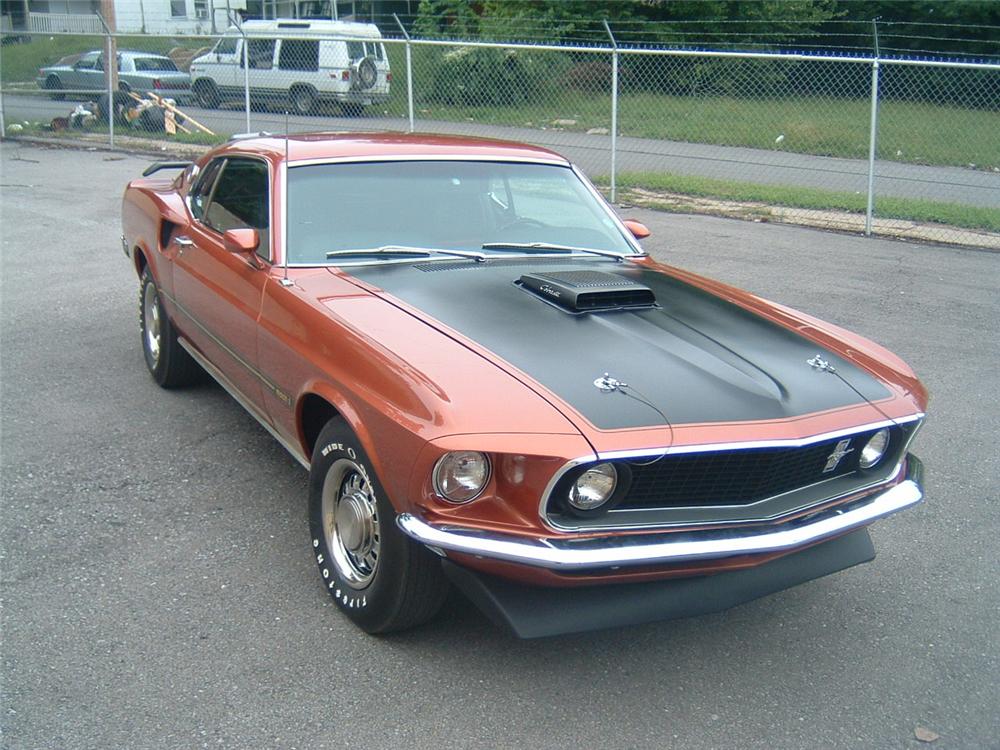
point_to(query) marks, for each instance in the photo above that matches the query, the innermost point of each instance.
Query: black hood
(691, 358)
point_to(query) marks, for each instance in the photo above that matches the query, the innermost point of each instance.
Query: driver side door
(219, 292)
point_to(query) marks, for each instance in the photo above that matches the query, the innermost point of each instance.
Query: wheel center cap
(355, 524)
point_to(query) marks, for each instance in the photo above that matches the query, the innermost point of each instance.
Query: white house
(164, 16)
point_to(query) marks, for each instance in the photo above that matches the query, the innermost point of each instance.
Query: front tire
(167, 361)
(380, 579)
(206, 93)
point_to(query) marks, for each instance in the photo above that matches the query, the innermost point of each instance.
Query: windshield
(450, 205)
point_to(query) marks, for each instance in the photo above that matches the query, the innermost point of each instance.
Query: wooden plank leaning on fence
(165, 125)
(171, 108)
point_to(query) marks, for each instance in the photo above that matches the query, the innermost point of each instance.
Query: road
(159, 592)
(592, 152)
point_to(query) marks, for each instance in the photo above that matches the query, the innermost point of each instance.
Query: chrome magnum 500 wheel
(379, 578)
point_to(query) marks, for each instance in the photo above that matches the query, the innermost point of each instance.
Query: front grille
(738, 477)
(743, 485)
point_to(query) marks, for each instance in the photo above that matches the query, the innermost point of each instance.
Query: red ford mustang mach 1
(492, 385)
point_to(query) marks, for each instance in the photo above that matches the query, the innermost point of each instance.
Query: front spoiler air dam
(606, 552)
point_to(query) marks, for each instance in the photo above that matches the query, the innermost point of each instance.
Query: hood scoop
(581, 292)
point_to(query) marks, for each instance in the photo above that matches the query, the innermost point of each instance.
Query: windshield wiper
(549, 247)
(425, 252)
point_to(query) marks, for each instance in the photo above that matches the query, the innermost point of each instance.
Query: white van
(293, 60)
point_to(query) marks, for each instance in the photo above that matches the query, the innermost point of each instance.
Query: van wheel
(302, 99)
(207, 94)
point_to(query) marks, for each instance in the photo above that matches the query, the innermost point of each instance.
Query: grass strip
(910, 209)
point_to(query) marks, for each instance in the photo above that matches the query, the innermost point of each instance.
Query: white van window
(260, 54)
(355, 50)
(298, 54)
(226, 46)
(377, 50)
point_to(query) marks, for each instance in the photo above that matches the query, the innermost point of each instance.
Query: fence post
(409, 71)
(3, 125)
(614, 112)
(246, 79)
(234, 21)
(872, 138)
(109, 60)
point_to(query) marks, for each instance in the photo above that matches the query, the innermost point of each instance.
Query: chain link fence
(889, 147)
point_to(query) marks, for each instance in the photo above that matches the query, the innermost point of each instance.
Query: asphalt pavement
(158, 589)
(592, 152)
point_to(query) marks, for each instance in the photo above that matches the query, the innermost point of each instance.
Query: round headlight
(461, 476)
(874, 449)
(594, 487)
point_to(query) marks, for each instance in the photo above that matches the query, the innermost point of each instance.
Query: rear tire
(381, 579)
(302, 99)
(54, 84)
(114, 107)
(167, 361)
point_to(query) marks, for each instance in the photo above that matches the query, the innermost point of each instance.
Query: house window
(178, 8)
(201, 9)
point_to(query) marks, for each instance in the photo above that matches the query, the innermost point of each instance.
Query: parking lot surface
(158, 589)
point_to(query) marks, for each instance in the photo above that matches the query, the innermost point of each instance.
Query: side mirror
(241, 241)
(638, 229)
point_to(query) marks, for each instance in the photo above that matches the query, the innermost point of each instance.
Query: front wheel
(380, 579)
(206, 93)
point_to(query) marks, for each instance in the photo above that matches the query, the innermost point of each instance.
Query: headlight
(461, 476)
(594, 487)
(874, 449)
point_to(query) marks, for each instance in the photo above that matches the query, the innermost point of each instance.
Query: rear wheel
(114, 107)
(169, 364)
(380, 579)
(207, 94)
(54, 85)
(302, 99)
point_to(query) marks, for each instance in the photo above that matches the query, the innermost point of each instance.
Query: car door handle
(183, 241)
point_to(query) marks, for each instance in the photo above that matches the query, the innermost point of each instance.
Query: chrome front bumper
(575, 554)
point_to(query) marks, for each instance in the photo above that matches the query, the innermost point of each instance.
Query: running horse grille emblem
(838, 455)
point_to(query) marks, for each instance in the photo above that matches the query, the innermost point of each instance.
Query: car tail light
(388, 77)
(345, 75)
(157, 83)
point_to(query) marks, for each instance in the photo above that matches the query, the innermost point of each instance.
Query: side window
(226, 46)
(240, 200)
(260, 54)
(201, 191)
(355, 50)
(298, 54)
(87, 62)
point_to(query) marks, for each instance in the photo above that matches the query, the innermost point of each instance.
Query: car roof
(126, 53)
(303, 147)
